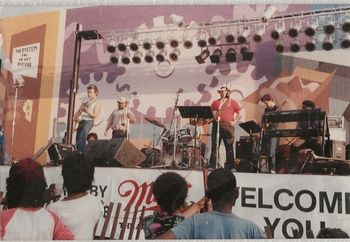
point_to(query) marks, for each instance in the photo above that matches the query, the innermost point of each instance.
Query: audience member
(91, 136)
(220, 223)
(26, 219)
(329, 233)
(80, 210)
(170, 191)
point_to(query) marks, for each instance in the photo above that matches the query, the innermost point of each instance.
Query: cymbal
(155, 122)
(200, 121)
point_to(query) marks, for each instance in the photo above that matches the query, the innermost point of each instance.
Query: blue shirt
(216, 225)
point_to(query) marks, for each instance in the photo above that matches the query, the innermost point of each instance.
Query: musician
(310, 142)
(119, 120)
(88, 111)
(225, 111)
(268, 144)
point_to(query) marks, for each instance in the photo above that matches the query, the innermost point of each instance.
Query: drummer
(119, 120)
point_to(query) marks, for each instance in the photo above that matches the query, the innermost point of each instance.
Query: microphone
(180, 91)
(134, 93)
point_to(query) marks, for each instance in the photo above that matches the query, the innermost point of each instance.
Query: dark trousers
(83, 130)
(226, 134)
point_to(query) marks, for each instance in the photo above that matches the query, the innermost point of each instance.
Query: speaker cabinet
(244, 150)
(57, 152)
(127, 154)
(115, 152)
(335, 149)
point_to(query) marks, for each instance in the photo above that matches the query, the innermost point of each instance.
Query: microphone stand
(174, 121)
(16, 86)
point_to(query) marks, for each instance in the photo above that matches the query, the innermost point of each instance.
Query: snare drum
(184, 136)
(167, 136)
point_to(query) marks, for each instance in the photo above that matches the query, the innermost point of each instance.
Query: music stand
(250, 127)
(197, 112)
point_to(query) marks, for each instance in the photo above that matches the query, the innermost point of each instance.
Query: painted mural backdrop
(156, 83)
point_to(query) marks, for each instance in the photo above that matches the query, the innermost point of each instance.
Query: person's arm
(195, 208)
(109, 124)
(131, 117)
(167, 235)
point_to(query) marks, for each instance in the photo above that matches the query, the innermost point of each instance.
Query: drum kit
(187, 152)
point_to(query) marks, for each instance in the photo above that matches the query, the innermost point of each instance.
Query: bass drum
(184, 136)
(168, 151)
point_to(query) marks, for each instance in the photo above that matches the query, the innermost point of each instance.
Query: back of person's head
(78, 172)
(222, 186)
(92, 136)
(267, 97)
(308, 104)
(170, 190)
(26, 185)
(328, 233)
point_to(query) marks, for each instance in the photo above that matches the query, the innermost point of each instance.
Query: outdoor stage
(282, 201)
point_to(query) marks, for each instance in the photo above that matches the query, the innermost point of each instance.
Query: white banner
(25, 60)
(284, 202)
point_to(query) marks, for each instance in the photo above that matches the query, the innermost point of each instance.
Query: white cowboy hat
(122, 100)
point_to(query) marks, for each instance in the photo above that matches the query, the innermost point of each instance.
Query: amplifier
(335, 149)
(244, 150)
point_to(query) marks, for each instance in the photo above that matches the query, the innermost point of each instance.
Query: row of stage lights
(212, 38)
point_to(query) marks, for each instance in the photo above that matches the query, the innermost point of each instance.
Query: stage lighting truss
(278, 31)
(335, 23)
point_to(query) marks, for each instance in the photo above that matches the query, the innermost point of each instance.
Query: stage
(283, 201)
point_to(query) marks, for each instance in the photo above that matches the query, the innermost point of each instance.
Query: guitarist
(88, 111)
(225, 111)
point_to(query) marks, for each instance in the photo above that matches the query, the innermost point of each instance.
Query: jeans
(82, 132)
(226, 134)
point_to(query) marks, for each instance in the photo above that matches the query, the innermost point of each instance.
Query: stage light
(214, 36)
(345, 40)
(133, 46)
(160, 44)
(329, 27)
(231, 55)
(114, 59)
(173, 42)
(201, 35)
(260, 31)
(311, 29)
(187, 42)
(202, 56)
(137, 57)
(243, 36)
(177, 20)
(310, 44)
(279, 46)
(147, 44)
(174, 55)
(111, 45)
(278, 31)
(295, 45)
(328, 42)
(160, 57)
(230, 36)
(149, 56)
(215, 57)
(269, 12)
(246, 54)
(122, 46)
(293, 31)
(126, 57)
(346, 24)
